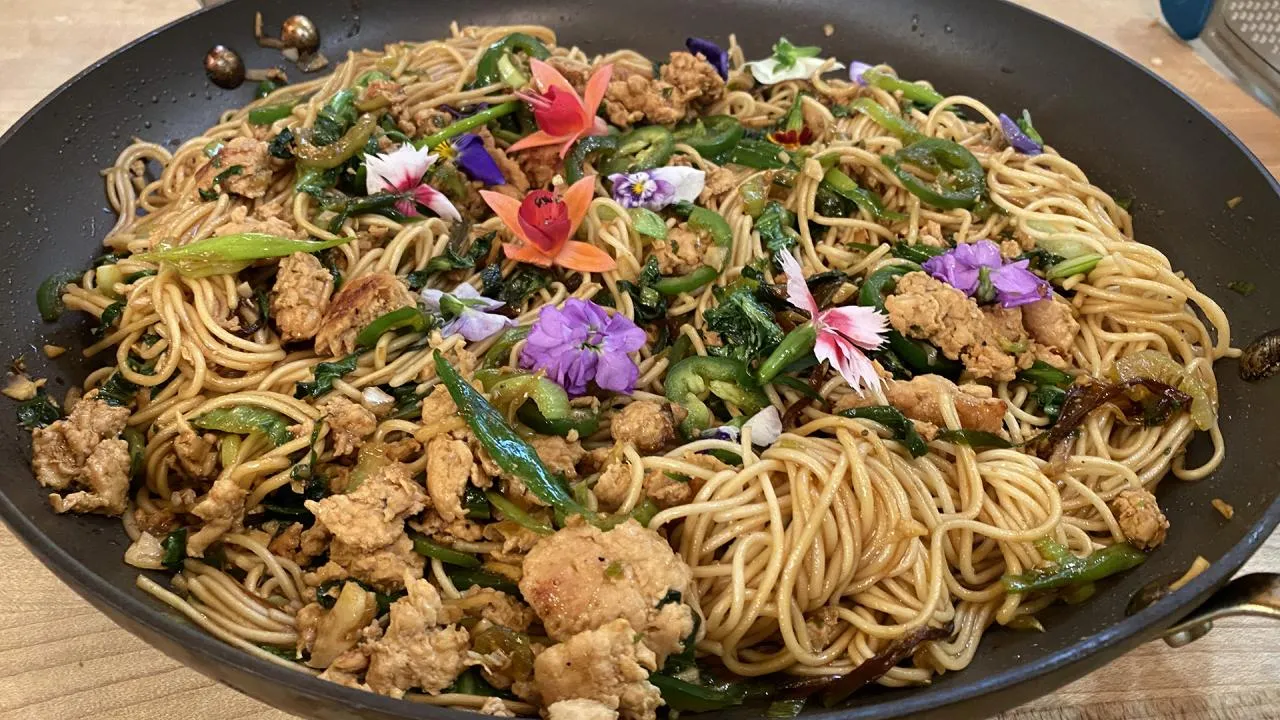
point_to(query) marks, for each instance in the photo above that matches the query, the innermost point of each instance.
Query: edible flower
(581, 343)
(542, 224)
(978, 270)
(788, 62)
(1021, 134)
(401, 171)
(657, 188)
(712, 52)
(468, 152)
(793, 132)
(466, 312)
(765, 426)
(843, 333)
(856, 69)
(562, 115)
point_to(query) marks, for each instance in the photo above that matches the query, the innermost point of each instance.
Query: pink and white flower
(843, 332)
(401, 172)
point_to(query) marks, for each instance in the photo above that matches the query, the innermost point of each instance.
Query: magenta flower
(401, 171)
(977, 269)
(843, 332)
(582, 342)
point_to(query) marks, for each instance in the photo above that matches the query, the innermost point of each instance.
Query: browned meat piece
(581, 578)
(159, 521)
(383, 568)
(695, 80)
(372, 515)
(388, 92)
(719, 183)
(577, 73)
(253, 178)
(360, 302)
(222, 509)
(1140, 518)
(539, 165)
(300, 545)
(82, 451)
(687, 83)
(350, 423)
(928, 309)
(682, 251)
(921, 399)
(417, 650)
(647, 425)
(448, 469)
(613, 486)
(420, 121)
(195, 453)
(605, 665)
(300, 296)
(1052, 324)
(438, 405)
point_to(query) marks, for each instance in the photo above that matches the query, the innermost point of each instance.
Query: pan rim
(140, 610)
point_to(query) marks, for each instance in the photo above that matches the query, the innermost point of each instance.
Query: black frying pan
(1134, 135)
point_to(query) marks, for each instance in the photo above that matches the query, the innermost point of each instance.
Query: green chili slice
(489, 70)
(245, 419)
(895, 124)
(592, 147)
(268, 114)
(510, 451)
(426, 548)
(915, 92)
(1072, 570)
(641, 149)
(798, 343)
(324, 157)
(710, 136)
(227, 254)
(690, 381)
(406, 317)
(960, 180)
(841, 184)
(49, 294)
(689, 282)
(517, 515)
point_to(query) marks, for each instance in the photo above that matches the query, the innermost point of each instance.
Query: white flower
(401, 171)
(769, 71)
(469, 312)
(765, 426)
(657, 188)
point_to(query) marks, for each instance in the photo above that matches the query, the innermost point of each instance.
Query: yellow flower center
(637, 187)
(445, 150)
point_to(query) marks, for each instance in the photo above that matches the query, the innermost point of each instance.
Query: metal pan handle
(1254, 594)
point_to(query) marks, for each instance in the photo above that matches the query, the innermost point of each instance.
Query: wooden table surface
(61, 659)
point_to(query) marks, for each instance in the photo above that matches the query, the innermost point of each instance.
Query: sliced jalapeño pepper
(592, 147)
(710, 136)
(641, 149)
(960, 180)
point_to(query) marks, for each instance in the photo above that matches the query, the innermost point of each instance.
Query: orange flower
(562, 115)
(543, 223)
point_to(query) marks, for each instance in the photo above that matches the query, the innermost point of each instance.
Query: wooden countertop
(61, 659)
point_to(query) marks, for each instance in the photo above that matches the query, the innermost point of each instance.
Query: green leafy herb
(426, 548)
(1024, 124)
(786, 54)
(1243, 287)
(648, 222)
(38, 412)
(335, 118)
(110, 317)
(323, 376)
(650, 305)
(174, 546)
(976, 439)
(1050, 390)
(459, 254)
(776, 226)
(281, 146)
(515, 288)
(904, 430)
(745, 325)
(117, 391)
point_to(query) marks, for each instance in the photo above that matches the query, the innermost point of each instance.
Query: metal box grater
(1245, 36)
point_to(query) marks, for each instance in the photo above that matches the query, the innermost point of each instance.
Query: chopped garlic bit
(53, 351)
(828, 29)
(145, 553)
(1223, 507)
(1233, 202)
(20, 387)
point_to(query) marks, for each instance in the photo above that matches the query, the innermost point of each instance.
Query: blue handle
(1187, 17)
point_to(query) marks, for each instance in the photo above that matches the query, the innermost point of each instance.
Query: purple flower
(468, 152)
(1019, 140)
(977, 268)
(718, 58)
(465, 111)
(657, 188)
(581, 343)
(466, 312)
(856, 68)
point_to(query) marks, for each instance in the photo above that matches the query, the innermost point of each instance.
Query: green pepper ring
(710, 136)
(641, 149)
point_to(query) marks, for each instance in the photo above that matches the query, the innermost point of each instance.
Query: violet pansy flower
(657, 188)
(581, 343)
(401, 171)
(856, 69)
(714, 54)
(466, 312)
(1022, 136)
(977, 269)
(468, 152)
